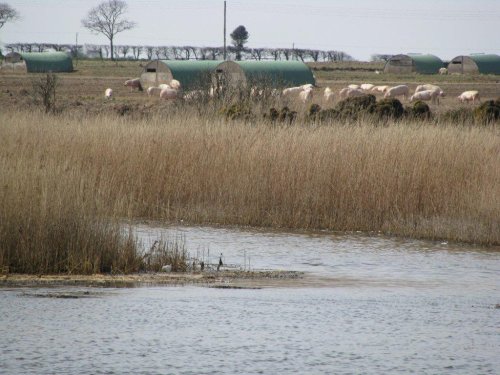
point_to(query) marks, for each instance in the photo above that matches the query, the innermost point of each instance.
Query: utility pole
(76, 49)
(225, 30)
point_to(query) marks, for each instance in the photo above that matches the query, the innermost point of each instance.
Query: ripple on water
(384, 306)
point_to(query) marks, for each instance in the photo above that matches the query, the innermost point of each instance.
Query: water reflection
(372, 260)
(385, 306)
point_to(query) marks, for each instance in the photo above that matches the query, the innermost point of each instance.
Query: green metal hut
(190, 73)
(475, 64)
(272, 73)
(38, 62)
(413, 63)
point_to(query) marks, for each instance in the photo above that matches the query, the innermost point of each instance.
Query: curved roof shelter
(413, 63)
(272, 73)
(39, 62)
(190, 73)
(475, 64)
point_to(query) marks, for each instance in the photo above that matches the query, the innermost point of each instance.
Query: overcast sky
(446, 28)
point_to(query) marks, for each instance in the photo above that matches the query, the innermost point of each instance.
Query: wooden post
(225, 31)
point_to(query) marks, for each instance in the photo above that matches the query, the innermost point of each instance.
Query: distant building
(193, 74)
(38, 62)
(188, 72)
(269, 73)
(413, 63)
(475, 64)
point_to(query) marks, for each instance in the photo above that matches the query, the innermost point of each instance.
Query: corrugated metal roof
(487, 64)
(281, 72)
(190, 72)
(426, 64)
(41, 62)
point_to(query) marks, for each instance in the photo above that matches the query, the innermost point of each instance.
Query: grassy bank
(82, 174)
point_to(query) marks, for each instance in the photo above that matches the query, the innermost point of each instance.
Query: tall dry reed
(49, 223)
(420, 181)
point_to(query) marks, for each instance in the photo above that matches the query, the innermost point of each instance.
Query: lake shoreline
(226, 279)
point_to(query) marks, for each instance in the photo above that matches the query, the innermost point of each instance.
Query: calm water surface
(369, 305)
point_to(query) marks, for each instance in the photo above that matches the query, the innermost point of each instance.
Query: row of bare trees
(108, 18)
(131, 52)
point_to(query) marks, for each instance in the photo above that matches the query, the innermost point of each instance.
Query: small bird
(220, 262)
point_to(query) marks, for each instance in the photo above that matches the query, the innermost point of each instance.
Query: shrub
(273, 114)
(286, 115)
(315, 113)
(388, 109)
(488, 112)
(123, 109)
(461, 116)
(420, 110)
(328, 114)
(313, 110)
(44, 89)
(237, 111)
(353, 107)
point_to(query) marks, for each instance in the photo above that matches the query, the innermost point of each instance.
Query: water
(369, 305)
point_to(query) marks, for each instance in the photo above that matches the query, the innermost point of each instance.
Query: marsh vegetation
(70, 180)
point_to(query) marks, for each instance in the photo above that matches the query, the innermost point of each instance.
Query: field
(69, 180)
(85, 87)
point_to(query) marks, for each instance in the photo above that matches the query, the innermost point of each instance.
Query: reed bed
(66, 182)
(50, 224)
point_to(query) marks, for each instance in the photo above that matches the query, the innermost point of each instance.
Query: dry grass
(107, 68)
(53, 218)
(50, 222)
(419, 181)
(67, 181)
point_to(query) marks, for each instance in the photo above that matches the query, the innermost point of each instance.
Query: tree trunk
(111, 45)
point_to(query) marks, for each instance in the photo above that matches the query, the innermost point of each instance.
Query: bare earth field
(83, 90)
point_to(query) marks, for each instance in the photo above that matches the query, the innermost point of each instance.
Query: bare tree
(380, 57)
(187, 52)
(164, 52)
(44, 89)
(275, 53)
(26, 47)
(7, 13)
(314, 54)
(107, 19)
(215, 52)
(93, 51)
(149, 52)
(287, 52)
(124, 49)
(299, 53)
(107, 50)
(75, 50)
(176, 52)
(39, 47)
(206, 53)
(136, 51)
(257, 53)
(158, 51)
(57, 47)
(116, 52)
(196, 52)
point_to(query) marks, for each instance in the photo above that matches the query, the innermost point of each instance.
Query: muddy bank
(226, 279)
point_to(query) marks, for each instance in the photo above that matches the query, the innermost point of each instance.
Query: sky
(361, 28)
